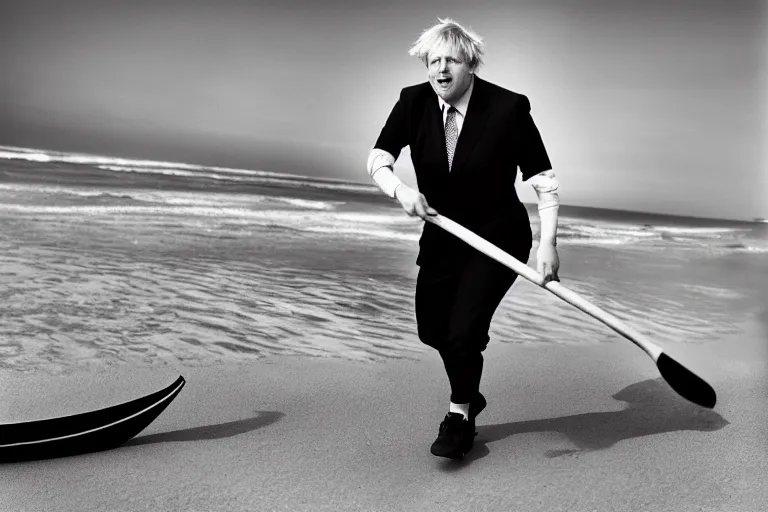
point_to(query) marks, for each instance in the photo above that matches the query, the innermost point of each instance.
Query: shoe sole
(458, 454)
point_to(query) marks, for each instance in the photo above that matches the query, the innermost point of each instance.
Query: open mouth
(444, 81)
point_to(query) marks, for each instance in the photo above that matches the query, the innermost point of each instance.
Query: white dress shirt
(460, 106)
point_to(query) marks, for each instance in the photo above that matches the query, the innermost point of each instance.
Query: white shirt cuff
(380, 165)
(546, 186)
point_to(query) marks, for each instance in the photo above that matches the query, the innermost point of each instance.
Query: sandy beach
(575, 428)
(287, 304)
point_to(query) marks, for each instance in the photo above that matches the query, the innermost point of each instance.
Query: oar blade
(687, 384)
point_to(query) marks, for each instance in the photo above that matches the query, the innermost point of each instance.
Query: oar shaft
(608, 319)
(556, 288)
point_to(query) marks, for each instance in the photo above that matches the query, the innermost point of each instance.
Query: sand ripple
(64, 309)
(67, 309)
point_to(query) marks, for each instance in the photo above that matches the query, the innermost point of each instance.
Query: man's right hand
(413, 202)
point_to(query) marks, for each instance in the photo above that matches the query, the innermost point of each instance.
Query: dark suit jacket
(497, 137)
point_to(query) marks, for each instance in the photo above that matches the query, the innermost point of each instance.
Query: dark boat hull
(83, 433)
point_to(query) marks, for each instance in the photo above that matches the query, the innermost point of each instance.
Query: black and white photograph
(285, 255)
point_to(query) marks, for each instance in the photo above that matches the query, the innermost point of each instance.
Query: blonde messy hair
(469, 44)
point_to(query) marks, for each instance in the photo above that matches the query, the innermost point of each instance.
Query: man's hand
(547, 261)
(413, 202)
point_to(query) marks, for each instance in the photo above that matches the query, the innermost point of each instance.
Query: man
(467, 139)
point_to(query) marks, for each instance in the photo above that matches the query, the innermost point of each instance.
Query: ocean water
(106, 260)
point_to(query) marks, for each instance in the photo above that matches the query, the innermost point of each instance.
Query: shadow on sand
(207, 432)
(653, 408)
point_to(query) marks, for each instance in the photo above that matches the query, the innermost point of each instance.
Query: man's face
(449, 74)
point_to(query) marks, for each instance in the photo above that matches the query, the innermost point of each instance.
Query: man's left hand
(547, 262)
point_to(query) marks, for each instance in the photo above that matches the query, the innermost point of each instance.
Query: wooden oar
(682, 380)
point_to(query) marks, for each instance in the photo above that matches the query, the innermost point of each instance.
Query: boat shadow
(210, 432)
(653, 408)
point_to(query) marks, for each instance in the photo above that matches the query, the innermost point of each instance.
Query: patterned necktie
(451, 135)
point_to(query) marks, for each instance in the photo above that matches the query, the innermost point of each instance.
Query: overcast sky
(654, 105)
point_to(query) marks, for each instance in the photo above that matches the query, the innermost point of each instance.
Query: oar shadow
(209, 432)
(653, 408)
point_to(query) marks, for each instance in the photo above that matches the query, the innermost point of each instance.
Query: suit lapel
(474, 123)
(436, 133)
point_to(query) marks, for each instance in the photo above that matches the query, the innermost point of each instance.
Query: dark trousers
(455, 303)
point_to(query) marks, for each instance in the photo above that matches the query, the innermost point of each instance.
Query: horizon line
(754, 220)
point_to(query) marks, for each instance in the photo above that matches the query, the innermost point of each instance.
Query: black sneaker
(456, 436)
(476, 406)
